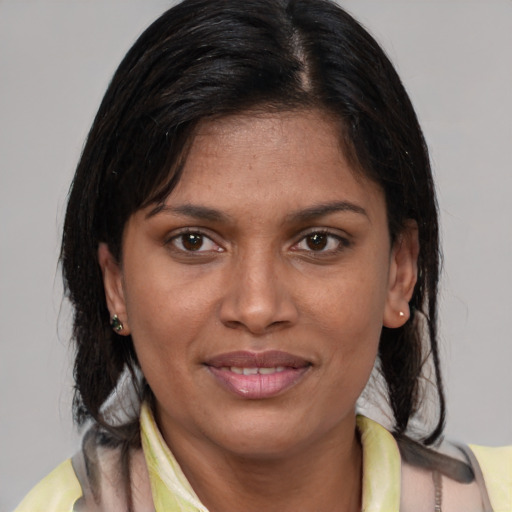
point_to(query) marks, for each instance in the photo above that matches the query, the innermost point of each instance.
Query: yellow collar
(173, 493)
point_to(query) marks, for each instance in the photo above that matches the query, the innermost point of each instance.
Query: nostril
(233, 324)
(257, 330)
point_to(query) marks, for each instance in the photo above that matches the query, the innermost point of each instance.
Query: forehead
(271, 160)
(271, 130)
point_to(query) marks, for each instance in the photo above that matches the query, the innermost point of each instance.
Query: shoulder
(489, 488)
(495, 465)
(93, 480)
(57, 492)
(451, 477)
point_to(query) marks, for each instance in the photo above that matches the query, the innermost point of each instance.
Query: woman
(250, 232)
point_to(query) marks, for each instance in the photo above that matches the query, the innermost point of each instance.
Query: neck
(326, 476)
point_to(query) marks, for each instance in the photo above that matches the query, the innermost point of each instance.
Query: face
(256, 295)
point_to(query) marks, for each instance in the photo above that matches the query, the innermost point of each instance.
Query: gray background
(56, 59)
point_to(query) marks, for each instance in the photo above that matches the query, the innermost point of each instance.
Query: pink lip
(259, 386)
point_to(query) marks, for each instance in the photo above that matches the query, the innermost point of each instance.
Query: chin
(265, 435)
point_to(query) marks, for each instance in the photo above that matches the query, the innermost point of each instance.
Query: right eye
(193, 241)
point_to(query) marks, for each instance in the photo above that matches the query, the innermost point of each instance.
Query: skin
(258, 282)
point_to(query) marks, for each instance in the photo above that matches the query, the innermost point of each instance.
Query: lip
(290, 370)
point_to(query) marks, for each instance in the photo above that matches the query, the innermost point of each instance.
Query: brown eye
(321, 242)
(317, 241)
(192, 241)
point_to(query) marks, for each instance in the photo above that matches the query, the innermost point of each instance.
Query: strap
(479, 477)
(438, 490)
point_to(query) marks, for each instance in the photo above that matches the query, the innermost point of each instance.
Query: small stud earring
(402, 314)
(116, 324)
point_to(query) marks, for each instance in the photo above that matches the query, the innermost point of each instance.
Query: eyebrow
(321, 210)
(210, 214)
(190, 210)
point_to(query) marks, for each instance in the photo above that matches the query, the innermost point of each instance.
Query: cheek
(171, 313)
(165, 296)
(352, 300)
(350, 313)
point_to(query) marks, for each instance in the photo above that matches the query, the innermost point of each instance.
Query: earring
(401, 314)
(116, 324)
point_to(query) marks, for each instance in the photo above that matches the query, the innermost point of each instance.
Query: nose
(258, 297)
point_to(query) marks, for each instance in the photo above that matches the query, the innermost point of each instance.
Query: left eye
(320, 242)
(194, 242)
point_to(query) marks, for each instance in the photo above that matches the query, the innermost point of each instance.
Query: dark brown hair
(211, 58)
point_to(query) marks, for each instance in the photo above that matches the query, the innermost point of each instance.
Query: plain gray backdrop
(56, 58)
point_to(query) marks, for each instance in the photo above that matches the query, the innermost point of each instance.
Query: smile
(254, 371)
(257, 375)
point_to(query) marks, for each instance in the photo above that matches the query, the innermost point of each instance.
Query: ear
(403, 274)
(113, 284)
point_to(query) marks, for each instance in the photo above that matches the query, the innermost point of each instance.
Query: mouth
(257, 375)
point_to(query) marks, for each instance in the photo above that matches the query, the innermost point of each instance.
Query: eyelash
(340, 241)
(322, 236)
(193, 232)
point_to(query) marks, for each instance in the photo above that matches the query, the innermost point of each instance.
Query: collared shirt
(383, 473)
